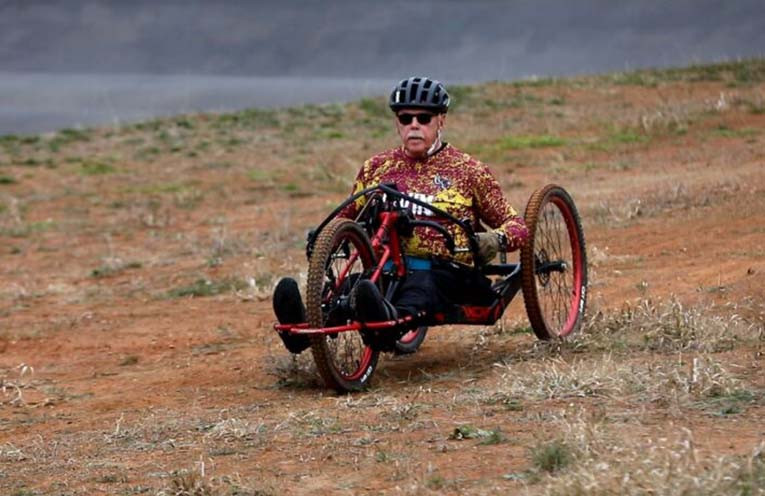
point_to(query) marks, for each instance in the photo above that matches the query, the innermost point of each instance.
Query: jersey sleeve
(494, 209)
(361, 182)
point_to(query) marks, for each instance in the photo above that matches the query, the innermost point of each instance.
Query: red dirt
(129, 385)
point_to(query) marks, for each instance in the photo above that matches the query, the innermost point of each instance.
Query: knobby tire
(554, 264)
(344, 362)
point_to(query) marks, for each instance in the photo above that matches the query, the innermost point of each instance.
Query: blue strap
(415, 263)
(412, 263)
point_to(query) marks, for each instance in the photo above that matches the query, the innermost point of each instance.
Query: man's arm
(494, 209)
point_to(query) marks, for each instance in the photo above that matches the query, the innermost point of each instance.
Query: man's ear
(441, 120)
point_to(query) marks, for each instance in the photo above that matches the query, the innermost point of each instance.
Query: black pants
(437, 290)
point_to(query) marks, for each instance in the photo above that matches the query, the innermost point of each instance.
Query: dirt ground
(117, 381)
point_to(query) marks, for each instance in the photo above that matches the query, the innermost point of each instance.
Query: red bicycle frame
(387, 247)
(386, 244)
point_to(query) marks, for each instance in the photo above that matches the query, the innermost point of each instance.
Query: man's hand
(488, 246)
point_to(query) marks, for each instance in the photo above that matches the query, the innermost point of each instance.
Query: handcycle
(551, 274)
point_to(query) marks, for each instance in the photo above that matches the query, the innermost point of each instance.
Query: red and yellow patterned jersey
(452, 181)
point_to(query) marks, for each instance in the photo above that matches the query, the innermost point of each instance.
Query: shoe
(289, 309)
(369, 305)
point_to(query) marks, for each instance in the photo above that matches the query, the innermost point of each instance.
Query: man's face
(418, 136)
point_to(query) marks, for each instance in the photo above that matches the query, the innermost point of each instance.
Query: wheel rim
(350, 357)
(558, 266)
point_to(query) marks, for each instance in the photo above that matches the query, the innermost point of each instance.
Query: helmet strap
(436, 145)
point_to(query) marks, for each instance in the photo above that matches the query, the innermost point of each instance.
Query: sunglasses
(406, 119)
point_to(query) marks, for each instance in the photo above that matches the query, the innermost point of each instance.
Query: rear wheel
(554, 264)
(342, 255)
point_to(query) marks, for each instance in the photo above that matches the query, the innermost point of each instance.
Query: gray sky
(480, 39)
(79, 62)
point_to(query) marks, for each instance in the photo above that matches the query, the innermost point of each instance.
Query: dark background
(78, 62)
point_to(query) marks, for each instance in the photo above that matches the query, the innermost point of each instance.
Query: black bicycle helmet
(420, 92)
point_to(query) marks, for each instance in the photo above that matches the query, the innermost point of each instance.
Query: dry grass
(196, 483)
(678, 383)
(663, 326)
(660, 200)
(604, 462)
(291, 371)
(11, 389)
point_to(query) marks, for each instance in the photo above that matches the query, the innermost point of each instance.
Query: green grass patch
(461, 95)
(530, 141)
(7, 180)
(107, 270)
(486, 436)
(508, 402)
(28, 229)
(536, 82)
(498, 150)
(134, 141)
(552, 456)
(618, 137)
(161, 188)
(67, 136)
(147, 153)
(184, 123)
(728, 403)
(34, 162)
(333, 134)
(756, 108)
(726, 132)
(94, 168)
(627, 136)
(374, 107)
(150, 125)
(263, 179)
(747, 71)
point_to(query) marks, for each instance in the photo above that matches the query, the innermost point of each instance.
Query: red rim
(361, 370)
(362, 367)
(576, 260)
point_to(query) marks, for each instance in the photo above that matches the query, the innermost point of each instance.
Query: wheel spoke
(341, 256)
(553, 264)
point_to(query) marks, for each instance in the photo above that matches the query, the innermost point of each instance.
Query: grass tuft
(552, 456)
(607, 464)
(530, 141)
(664, 326)
(93, 168)
(683, 383)
(113, 266)
(486, 436)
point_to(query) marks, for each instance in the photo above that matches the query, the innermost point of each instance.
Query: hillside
(137, 354)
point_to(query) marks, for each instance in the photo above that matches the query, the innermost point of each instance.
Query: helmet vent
(420, 92)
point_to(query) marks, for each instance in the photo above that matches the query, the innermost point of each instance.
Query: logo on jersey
(441, 182)
(419, 209)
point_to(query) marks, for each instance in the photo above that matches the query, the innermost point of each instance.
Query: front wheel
(554, 264)
(342, 255)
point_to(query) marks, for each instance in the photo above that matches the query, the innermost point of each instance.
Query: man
(435, 172)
